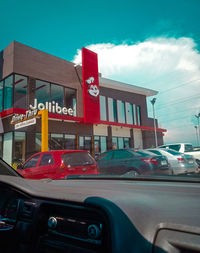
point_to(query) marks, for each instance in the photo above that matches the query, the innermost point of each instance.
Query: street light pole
(196, 127)
(154, 121)
(198, 116)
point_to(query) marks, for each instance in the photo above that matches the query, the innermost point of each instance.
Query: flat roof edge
(109, 83)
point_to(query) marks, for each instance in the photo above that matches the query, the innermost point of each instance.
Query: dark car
(129, 162)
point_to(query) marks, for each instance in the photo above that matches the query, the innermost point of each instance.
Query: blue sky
(154, 44)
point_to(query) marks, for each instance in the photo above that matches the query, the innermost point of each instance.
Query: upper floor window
(134, 115)
(8, 92)
(121, 111)
(70, 99)
(42, 91)
(129, 113)
(20, 91)
(112, 109)
(103, 111)
(139, 115)
(57, 94)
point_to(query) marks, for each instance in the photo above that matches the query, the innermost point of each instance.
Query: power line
(148, 82)
(180, 126)
(164, 114)
(183, 84)
(180, 85)
(173, 119)
(163, 106)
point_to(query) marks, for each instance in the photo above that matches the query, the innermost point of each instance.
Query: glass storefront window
(103, 112)
(85, 143)
(96, 144)
(8, 92)
(19, 148)
(121, 111)
(56, 141)
(88, 143)
(70, 142)
(20, 91)
(100, 144)
(126, 143)
(103, 144)
(120, 142)
(70, 99)
(81, 142)
(138, 115)
(7, 147)
(129, 113)
(57, 94)
(1, 96)
(114, 143)
(38, 142)
(42, 92)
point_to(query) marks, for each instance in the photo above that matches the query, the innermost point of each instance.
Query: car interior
(111, 214)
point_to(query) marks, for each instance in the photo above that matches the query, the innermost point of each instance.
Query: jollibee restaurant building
(85, 110)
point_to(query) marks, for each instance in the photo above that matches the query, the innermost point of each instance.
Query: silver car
(179, 163)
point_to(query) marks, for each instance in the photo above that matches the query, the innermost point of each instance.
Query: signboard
(25, 123)
(91, 105)
(51, 107)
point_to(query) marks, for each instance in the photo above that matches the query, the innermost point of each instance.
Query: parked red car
(58, 164)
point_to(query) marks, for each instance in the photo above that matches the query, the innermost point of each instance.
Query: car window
(175, 147)
(172, 152)
(32, 162)
(77, 159)
(121, 154)
(144, 153)
(47, 159)
(164, 146)
(188, 148)
(106, 156)
(155, 152)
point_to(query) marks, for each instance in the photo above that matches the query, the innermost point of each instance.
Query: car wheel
(132, 173)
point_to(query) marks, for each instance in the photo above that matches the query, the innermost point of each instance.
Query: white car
(179, 163)
(183, 148)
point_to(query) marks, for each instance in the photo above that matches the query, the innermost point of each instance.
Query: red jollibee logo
(92, 88)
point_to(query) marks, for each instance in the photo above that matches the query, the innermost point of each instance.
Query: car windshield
(107, 88)
(144, 152)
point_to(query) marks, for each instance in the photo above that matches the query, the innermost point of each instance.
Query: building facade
(30, 79)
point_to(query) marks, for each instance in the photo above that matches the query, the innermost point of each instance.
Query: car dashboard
(90, 215)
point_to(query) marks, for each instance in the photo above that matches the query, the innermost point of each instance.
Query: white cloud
(169, 65)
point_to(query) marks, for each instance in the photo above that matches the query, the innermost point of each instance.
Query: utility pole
(198, 116)
(154, 121)
(196, 127)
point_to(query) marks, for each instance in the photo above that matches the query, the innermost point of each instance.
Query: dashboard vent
(80, 226)
(82, 229)
(27, 209)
